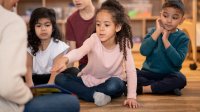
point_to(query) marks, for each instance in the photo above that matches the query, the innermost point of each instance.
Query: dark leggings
(40, 78)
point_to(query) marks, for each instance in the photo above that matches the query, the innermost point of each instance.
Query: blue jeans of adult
(161, 83)
(53, 103)
(113, 87)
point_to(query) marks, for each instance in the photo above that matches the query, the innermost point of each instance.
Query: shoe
(101, 99)
(177, 92)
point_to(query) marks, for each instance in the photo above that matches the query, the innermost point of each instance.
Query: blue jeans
(113, 87)
(53, 103)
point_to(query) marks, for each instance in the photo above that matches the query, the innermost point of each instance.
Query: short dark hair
(178, 4)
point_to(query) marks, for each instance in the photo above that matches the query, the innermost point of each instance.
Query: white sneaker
(101, 99)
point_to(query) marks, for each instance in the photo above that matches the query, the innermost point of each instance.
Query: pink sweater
(104, 63)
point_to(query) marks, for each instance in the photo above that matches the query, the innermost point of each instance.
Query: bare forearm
(28, 79)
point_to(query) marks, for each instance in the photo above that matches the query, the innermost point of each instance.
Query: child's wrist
(158, 31)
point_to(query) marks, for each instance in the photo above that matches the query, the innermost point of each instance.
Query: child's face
(105, 27)
(81, 4)
(43, 29)
(171, 18)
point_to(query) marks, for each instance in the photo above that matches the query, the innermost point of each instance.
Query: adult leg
(53, 103)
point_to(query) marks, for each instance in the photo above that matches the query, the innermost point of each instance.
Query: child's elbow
(178, 62)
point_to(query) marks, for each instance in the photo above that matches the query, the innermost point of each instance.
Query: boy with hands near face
(165, 48)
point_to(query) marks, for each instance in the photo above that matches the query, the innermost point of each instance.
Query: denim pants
(53, 103)
(161, 83)
(113, 87)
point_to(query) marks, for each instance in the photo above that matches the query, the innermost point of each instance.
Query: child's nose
(43, 27)
(169, 20)
(102, 28)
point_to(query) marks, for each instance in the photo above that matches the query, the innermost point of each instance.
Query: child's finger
(125, 102)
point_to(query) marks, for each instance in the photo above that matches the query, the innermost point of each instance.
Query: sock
(101, 99)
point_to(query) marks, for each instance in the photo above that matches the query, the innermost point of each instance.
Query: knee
(47, 103)
(182, 82)
(115, 84)
(59, 78)
(70, 103)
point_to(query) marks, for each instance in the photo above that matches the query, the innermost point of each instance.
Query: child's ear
(182, 20)
(118, 28)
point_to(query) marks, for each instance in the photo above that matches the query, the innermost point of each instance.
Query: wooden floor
(188, 102)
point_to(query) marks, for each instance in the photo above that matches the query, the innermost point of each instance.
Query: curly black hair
(33, 40)
(124, 36)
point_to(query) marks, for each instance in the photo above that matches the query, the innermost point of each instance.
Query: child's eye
(165, 16)
(37, 25)
(97, 24)
(107, 25)
(175, 18)
(47, 25)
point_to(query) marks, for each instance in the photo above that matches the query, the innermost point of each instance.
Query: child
(78, 26)
(15, 96)
(165, 49)
(107, 49)
(44, 46)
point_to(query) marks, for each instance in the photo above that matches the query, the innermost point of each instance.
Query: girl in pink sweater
(109, 59)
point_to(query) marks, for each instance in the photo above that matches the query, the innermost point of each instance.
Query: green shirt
(162, 60)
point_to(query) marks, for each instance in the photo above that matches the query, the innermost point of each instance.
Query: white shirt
(43, 61)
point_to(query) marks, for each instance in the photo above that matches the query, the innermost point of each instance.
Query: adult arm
(13, 63)
(28, 76)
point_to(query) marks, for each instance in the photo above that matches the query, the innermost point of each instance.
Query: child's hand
(60, 65)
(159, 25)
(165, 38)
(131, 103)
(159, 29)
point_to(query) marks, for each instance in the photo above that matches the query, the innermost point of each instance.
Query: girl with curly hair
(109, 57)
(44, 46)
